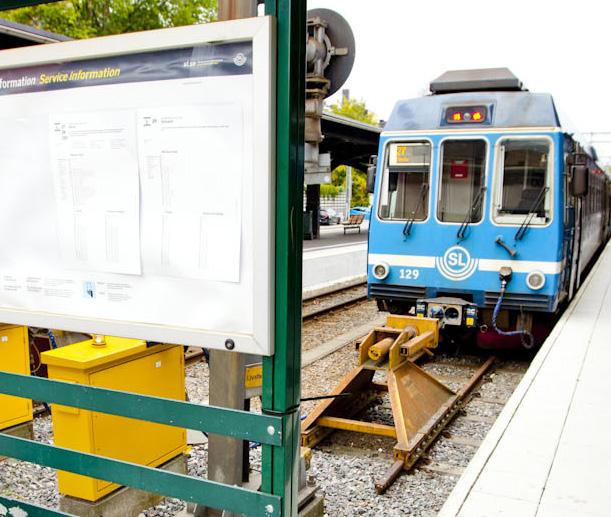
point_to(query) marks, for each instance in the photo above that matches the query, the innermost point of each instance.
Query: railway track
(318, 307)
(365, 458)
(336, 300)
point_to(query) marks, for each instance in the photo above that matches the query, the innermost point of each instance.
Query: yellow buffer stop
(125, 365)
(14, 358)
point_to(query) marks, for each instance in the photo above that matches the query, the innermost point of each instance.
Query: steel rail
(417, 449)
(309, 314)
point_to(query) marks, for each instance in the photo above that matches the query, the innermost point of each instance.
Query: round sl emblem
(239, 59)
(456, 263)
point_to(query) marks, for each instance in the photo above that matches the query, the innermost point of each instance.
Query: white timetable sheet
(95, 172)
(191, 162)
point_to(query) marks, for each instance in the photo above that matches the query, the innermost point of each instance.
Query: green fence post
(281, 373)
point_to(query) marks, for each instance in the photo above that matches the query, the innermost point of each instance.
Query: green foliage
(356, 110)
(89, 18)
(360, 196)
(330, 190)
(338, 176)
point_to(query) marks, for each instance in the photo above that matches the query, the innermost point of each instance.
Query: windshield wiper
(407, 229)
(531, 214)
(469, 216)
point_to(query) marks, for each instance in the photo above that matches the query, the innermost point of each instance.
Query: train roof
(481, 79)
(509, 109)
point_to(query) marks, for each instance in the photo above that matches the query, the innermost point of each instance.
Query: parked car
(329, 216)
(366, 210)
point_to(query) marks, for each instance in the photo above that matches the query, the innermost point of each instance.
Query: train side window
(405, 181)
(462, 179)
(523, 177)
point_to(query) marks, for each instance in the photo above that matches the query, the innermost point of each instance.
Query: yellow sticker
(470, 322)
(253, 376)
(402, 156)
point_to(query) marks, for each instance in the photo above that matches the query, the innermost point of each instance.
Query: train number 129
(409, 274)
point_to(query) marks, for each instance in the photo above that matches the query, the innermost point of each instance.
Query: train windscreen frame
(524, 171)
(461, 180)
(405, 181)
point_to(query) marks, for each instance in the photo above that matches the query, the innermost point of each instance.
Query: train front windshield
(462, 180)
(405, 181)
(525, 178)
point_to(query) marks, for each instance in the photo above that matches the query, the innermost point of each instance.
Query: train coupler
(450, 311)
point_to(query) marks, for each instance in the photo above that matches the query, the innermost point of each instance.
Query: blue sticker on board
(89, 289)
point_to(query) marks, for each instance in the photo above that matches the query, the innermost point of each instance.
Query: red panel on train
(459, 169)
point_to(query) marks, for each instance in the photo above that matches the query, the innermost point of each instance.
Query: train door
(568, 245)
(579, 187)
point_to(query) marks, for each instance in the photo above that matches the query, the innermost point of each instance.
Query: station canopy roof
(14, 35)
(350, 142)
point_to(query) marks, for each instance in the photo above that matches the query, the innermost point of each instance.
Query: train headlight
(381, 270)
(535, 280)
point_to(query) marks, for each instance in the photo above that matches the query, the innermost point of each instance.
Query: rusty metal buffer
(421, 405)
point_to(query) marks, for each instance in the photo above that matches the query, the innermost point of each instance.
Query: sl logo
(456, 263)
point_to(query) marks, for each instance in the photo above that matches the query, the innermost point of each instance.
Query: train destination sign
(136, 176)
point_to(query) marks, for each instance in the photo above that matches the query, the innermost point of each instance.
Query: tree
(88, 18)
(356, 110)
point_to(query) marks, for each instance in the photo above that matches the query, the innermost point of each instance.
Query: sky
(559, 47)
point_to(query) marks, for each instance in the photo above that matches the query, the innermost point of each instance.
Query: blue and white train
(486, 209)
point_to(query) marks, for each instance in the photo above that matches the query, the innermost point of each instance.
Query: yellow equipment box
(14, 358)
(125, 365)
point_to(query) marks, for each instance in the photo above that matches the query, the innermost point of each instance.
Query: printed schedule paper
(95, 172)
(191, 163)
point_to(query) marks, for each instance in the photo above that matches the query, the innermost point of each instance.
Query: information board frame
(260, 31)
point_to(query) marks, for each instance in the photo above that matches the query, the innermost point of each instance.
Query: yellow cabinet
(14, 358)
(125, 365)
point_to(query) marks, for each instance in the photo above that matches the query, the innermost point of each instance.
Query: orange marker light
(477, 115)
(457, 116)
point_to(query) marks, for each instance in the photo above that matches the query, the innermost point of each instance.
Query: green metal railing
(237, 424)
(210, 419)
(7, 504)
(278, 428)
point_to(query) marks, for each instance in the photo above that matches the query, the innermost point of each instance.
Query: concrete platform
(333, 235)
(334, 261)
(549, 452)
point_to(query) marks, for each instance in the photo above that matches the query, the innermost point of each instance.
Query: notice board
(136, 174)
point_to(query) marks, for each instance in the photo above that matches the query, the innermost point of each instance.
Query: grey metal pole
(225, 455)
(348, 190)
(235, 9)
